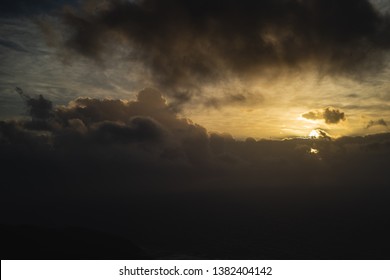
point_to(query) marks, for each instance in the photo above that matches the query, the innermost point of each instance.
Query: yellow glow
(314, 151)
(314, 134)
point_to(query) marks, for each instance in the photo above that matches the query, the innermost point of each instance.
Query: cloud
(380, 122)
(149, 103)
(138, 129)
(147, 121)
(243, 98)
(38, 108)
(189, 43)
(12, 8)
(329, 115)
(333, 116)
(12, 45)
(313, 115)
(353, 95)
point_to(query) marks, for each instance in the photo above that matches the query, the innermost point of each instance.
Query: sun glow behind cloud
(314, 134)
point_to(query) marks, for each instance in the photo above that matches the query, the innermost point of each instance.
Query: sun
(314, 134)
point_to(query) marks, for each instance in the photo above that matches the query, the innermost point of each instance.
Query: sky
(207, 63)
(195, 129)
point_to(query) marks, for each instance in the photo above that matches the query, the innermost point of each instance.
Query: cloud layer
(189, 43)
(380, 122)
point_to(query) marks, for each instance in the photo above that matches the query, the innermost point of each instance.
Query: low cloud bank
(136, 168)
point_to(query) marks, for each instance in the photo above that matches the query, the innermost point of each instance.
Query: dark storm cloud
(333, 116)
(148, 122)
(12, 8)
(186, 42)
(139, 129)
(380, 122)
(329, 115)
(149, 103)
(38, 108)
